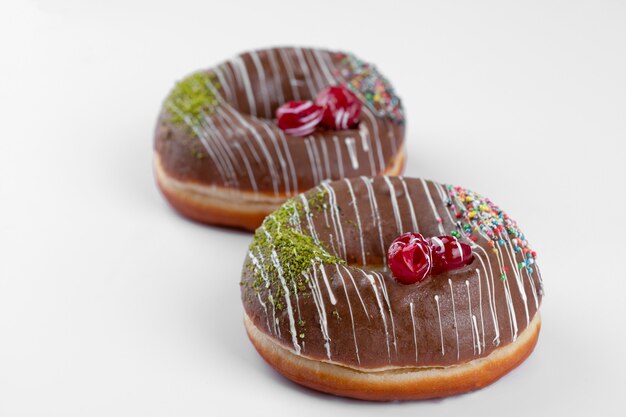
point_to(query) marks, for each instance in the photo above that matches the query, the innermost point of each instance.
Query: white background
(111, 304)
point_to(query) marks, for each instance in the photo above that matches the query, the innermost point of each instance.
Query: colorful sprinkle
(484, 218)
(371, 86)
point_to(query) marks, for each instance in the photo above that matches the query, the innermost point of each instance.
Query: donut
(324, 307)
(221, 158)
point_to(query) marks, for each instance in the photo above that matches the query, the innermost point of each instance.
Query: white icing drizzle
(316, 155)
(383, 287)
(411, 306)
(295, 219)
(246, 162)
(351, 146)
(443, 350)
(220, 111)
(456, 327)
(277, 322)
(227, 144)
(203, 140)
(292, 322)
(358, 218)
(356, 345)
(316, 75)
(316, 176)
(268, 158)
(233, 77)
(432, 206)
(475, 337)
(309, 218)
(480, 305)
(518, 278)
(307, 74)
(365, 145)
(329, 174)
(279, 154)
(331, 295)
(342, 174)
(539, 277)
(292, 168)
(508, 298)
(356, 289)
(228, 120)
(290, 316)
(410, 204)
(225, 84)
(243, 72)
(392, 139)
(511, 309)
(382, 311)
(321, 309)
(381, 160)
(491, 290)
(278, 87)
(267, 317)
(223, 151)
(295, 293)
(214, 154)
(532, 285)
(394, 205)
(295, 92)
(336, 217)
(257, 264)
(375, 214)
(469, 303)
(262, 84)
(323, 66)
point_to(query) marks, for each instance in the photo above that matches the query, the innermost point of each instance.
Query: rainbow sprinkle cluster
(364, 79)
(480, 215)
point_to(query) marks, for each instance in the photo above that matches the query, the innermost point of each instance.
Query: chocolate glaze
(362, 317)
(238, 144)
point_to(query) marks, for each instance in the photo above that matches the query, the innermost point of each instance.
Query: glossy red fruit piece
(449, 254)
(299, 118)
(409, 258)
(341, 108)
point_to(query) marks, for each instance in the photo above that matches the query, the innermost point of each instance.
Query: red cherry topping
(341, 108)
(409, 258)
(299, 118)
(449, 254)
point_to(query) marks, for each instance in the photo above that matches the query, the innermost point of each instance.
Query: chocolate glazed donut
(322, 307)
(220, 158)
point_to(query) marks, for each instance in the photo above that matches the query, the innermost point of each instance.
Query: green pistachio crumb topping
(319, 200)
(280, 248)
(192, 98)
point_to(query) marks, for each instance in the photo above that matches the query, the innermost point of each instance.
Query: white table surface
(111, 304)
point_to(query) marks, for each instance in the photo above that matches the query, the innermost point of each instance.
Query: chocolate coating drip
(350, 310)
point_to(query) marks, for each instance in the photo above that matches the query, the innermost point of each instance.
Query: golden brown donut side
(400, 384)
(221, 206)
